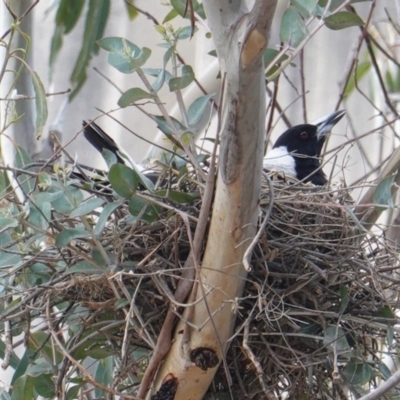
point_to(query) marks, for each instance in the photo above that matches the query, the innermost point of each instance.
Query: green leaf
(14, 361)
(185, 33)
(101, 222)
(197, 108)
(125, 56)
(306, 8)
(45, 386)
(96, 20)
(179, 197)
(124, 180)
(40, 105)
(65, 236)
(185, 80)
(128, 65)
(143, 209)
(87, 207)
(85, 267)
(384, 370)
(386, 312)
(180, 7)
(7, 223)
(343, 20)
(23, 388)
(4, 183)
(38, 274)
(164, 127)
(35, 370)
(100, 352)
(361, 69)
(269, 56)
(68, 13)
(383, 193)
(72, 393)
(132, 11)
(335, 337)
(71, 198)
(104, 375)
(170, 16)
(293, 29)
(22, 158)
(109, 157)
(133, 95)
(67, 16)
(357, 373)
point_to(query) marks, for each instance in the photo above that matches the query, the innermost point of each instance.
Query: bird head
(298, 150)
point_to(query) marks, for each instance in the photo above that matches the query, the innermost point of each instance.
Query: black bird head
(297, 151)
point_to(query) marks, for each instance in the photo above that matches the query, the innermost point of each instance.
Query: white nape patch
(279, 159)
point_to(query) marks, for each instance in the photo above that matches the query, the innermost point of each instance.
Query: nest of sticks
(315, 307)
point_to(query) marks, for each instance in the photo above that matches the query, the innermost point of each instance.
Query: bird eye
(304, 135)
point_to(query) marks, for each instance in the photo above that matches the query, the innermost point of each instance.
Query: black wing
(100, 140)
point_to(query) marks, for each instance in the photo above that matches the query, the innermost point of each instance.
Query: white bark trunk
(240, 36)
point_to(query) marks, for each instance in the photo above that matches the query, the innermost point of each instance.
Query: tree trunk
(241, 37)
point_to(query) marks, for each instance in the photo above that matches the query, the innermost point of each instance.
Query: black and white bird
(297, 152)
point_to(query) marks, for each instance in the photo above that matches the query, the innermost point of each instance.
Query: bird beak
(325, 125)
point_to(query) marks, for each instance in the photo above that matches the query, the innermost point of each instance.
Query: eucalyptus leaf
(67, 235)
(124, 180)
(106, 212)
(383, 195)
(133, 95)
(185, 80)
(357, 373)
(45, 386)
(85, 267)
(360, 70)
(197, 108)
(87, 207)
(343, 20)
(293, 29)
(143, 209)
(95, 23)
(41, 110)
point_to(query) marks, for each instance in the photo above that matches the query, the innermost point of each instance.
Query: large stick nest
(316, 304)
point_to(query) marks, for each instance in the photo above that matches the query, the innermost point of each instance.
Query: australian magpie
(297, 152)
